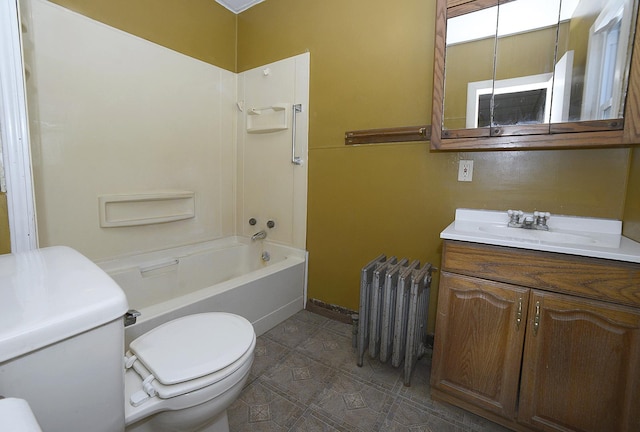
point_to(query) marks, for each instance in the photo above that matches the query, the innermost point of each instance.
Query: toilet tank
(62, 340)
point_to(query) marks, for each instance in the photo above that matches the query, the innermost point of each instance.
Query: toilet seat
(188, 354)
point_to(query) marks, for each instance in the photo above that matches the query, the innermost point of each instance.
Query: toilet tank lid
(50, 294)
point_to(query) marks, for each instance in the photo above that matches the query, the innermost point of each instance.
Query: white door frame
(14, 132)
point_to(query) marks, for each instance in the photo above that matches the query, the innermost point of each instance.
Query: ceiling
(237, 6)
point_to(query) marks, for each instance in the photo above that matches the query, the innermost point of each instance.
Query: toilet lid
(193, 346)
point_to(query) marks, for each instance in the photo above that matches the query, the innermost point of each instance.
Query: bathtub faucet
(259, 235)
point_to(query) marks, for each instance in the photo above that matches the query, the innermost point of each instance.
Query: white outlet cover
(465, 170)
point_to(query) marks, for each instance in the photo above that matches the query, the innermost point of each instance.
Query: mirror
(470, 41)
(522, 65)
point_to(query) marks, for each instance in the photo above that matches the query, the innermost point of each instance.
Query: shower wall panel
(111, 113)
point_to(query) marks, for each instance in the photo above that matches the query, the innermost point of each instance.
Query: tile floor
(305, 378)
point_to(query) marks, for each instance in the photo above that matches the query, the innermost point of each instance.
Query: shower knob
(253, 221)
(270, 224)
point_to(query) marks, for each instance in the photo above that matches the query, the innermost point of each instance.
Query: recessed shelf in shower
(145, 208)
(268, 119)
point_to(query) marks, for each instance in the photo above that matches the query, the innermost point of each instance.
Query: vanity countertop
(591, 237)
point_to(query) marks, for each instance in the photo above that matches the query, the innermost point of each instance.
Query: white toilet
(62, 345)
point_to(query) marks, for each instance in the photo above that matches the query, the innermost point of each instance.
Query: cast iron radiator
(392, 320)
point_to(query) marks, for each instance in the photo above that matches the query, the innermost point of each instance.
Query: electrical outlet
(465, 170)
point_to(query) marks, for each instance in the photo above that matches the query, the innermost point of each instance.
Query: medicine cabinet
(535, 74)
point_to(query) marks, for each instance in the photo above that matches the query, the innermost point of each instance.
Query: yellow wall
(202, 29)
(5, 239)
(631, 226)
(371, 66)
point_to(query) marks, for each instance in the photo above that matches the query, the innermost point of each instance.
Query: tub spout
(259, 235)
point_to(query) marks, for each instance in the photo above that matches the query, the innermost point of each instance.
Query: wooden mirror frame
(582, 134)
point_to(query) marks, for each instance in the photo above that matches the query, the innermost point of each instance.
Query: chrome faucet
(517, 219)
(259, 235)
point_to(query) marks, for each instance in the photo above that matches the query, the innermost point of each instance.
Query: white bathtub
(227, 275)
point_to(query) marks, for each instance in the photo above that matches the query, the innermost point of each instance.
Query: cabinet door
(477, 352)
(581, 367)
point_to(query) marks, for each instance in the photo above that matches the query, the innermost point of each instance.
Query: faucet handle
(514, 217)
(515, 214)
(544, 215)
(541, 219)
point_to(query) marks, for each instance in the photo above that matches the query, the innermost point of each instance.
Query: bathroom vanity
(539, 331)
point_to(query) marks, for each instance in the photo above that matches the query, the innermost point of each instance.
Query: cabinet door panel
(581, 367)
(478, 345)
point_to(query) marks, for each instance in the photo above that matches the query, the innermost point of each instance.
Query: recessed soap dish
(135, 209)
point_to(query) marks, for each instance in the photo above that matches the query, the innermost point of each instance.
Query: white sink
(543, 236)
(600, 238)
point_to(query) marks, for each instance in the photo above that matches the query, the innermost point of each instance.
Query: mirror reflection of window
(516, 101)
(607, 59)
(516, 108)
(612, 37)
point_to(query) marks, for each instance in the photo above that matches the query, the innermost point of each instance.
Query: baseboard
(334, 312)
(342, 314)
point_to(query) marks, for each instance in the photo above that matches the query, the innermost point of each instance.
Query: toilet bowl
(62, 347)
(184, 374)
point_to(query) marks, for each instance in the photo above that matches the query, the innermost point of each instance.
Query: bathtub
(226, 275)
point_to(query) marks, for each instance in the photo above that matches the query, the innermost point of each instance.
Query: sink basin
(593, 237)
(542, 236)
(563, 230)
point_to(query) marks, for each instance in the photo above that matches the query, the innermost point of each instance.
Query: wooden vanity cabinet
(538, 341)
(581, 368)
(478, 343)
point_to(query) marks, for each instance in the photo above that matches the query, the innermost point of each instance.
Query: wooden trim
(465, 7)
(453, 3)
(511, 142)
(496, 131)
(632, 102)
(481, 132)
(537, 129)
(588, 126)
(388, 135)
(437, 107)
(529, 129)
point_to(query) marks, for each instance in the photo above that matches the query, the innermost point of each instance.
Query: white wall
(270, 186)
(112, 113)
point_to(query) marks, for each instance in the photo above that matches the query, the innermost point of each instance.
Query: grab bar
(297, 108)
(157, 266)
